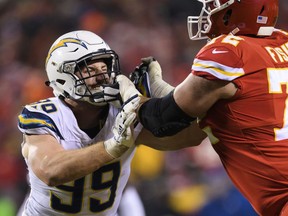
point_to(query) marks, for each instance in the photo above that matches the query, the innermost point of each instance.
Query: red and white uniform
(250, 131)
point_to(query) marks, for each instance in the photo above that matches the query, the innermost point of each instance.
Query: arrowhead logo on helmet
(63, 43)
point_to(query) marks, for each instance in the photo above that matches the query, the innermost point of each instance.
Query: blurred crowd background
(189, 182)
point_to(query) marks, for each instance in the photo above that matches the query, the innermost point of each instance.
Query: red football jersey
(250, 130)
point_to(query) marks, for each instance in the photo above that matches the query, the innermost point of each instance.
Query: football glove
(140, 79)
(110, 94)
(126, 87)
(147, 77)
(122, 135)
(115, 94)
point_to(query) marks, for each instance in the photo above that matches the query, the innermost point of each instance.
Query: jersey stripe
(218, 70)
(32, 120)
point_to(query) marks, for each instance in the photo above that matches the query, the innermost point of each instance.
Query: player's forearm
(188, 137)
(162, 116)
(69, 165)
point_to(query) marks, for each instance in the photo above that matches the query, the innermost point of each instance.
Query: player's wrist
(142, 101)
(114, 149)
(160, 88)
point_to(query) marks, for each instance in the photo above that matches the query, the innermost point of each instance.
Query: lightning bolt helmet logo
(63, 43)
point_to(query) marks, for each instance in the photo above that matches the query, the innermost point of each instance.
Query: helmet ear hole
(226, 17)
(61, 81)
(262, 9)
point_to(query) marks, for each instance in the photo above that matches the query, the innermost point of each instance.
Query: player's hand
(123, 136)
(126, 87)
(147, 77)
(140, 77)
(154, 68)
(116, 93)
(110, 94)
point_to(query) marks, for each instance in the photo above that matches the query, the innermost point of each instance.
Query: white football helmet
(71, 53)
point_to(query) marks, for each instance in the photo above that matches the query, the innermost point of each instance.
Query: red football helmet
(239, 17)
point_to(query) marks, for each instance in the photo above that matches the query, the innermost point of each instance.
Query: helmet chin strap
(97, 99)
(98, 103)
(95, 96)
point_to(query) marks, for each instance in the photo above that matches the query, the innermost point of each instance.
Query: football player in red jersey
(238, 91)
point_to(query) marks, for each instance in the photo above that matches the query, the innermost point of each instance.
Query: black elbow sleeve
(163, 117)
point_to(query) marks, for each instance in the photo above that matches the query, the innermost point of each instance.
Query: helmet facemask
(82, 90)
(202, 23)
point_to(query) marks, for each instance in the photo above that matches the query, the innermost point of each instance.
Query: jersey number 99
(97, 184)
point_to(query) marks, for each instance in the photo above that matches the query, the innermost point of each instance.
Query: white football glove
(126, 87)
(115, 94)
(123, 136)
(110, 94)
(158, 86)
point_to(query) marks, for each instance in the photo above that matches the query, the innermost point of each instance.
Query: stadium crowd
(189, 182)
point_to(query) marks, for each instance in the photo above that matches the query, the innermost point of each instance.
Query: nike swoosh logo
(215, 51)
